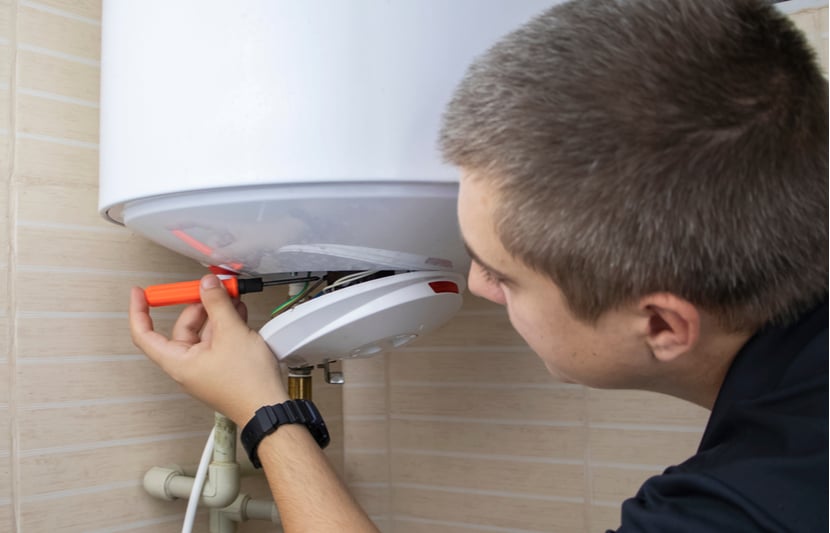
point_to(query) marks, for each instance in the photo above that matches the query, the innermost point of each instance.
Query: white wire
(350, 278)
(198, 484)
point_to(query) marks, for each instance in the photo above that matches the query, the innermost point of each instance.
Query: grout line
(124, 400)
(101, 272)
(98, 445)
(489, 457)
(146, 523)
(587, 473)
(389, 497)
(57, 140)
(483, 492)
(365, 385)
(57, 315)
(11, 277)
(365, 418)
(466, 349)
(792, 7)
(488, 421)
(630, 466)
(93, 489)
(71, 314)
(46, 95)
(60, 55)
(367, 451)
(606, 503)
(461, 525)
(487, 386)
(370, 484)
(74, 228)
(671, 428)
(55, 11)
(79, 359)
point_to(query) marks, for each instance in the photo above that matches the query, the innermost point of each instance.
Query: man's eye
(489, 277)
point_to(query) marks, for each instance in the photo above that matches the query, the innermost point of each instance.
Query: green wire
(291, 301)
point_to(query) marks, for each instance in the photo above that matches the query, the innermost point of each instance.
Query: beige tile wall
(82, 413)
(462, 433)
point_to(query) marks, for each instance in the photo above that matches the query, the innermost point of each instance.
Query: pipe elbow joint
(222, 486)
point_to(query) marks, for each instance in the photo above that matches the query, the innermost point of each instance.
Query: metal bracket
(332, 378)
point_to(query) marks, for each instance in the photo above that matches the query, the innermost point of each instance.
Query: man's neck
(698, 376)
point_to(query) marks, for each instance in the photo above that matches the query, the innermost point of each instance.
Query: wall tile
(617, 484)
(112, 507)
(365, 434)
(503, 474)
(558, 404)
(47, 473)
(50, 163)
(7, 516)
(84, 8)
(410, 525)
(91, 336)
(365, 400)
(6, 7)
(58, 76)
(65, 204)
(6, 54)
(92, 380)
(507, 367)
(42, 116)
(369, 467)
(81, 292)
(486, 510)
(76, 425)
(59, 34)
(472, 330)
(638, 407)
(112, 250)
(654, 448)
(375, 500)
(510, 438)
(603, 518)
(366, 370)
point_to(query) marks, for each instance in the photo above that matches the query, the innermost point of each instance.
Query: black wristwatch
(267, 419)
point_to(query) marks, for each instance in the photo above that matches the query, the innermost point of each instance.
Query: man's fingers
(190, 322)
(220, 308)
(242, 310)
(152, 343)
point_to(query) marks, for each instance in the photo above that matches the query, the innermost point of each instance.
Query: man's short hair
(641, 146)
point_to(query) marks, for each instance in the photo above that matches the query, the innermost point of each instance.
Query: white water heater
(276, 136)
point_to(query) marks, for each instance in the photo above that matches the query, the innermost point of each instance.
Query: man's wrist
(244, 413)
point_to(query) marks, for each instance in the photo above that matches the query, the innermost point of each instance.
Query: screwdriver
(187, 292)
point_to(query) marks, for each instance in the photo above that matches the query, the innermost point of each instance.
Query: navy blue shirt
(762, 462)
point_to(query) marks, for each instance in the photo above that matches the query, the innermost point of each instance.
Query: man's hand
(212, 353)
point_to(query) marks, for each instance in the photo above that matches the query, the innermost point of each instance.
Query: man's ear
(673, 326)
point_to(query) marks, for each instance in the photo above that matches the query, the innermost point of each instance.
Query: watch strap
(269, 418)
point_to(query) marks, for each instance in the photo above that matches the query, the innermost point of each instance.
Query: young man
(644, 187)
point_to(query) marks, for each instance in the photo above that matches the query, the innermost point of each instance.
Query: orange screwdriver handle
(184, 292)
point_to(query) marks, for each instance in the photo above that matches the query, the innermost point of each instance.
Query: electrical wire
(198, 483)
(291, 301)
(296, 299)
(350, 279)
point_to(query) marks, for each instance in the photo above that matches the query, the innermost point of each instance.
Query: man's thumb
(216, 300)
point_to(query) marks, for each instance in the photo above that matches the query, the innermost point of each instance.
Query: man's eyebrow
(474, 256)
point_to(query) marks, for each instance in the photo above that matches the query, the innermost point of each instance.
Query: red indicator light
(443, 286)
